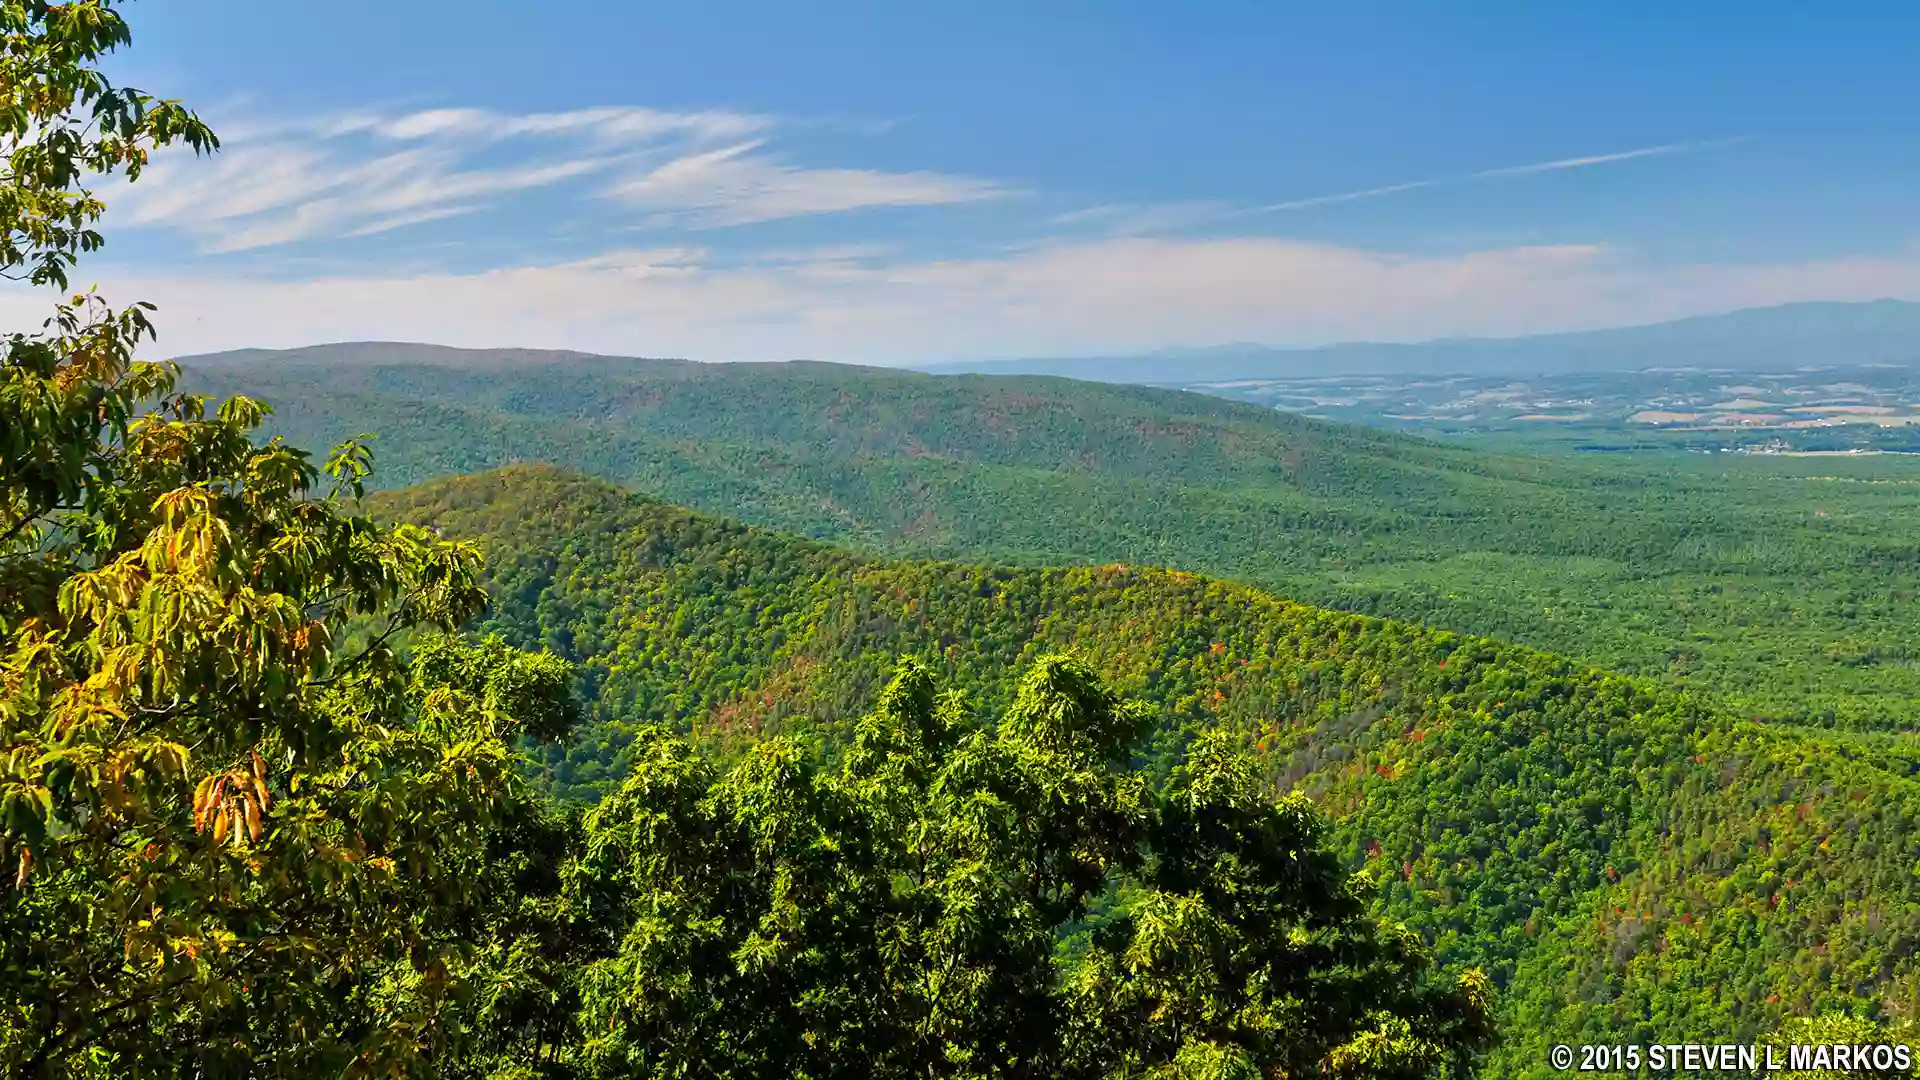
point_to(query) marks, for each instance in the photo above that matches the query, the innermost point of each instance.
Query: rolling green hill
(1787, 586)
(1631, 863)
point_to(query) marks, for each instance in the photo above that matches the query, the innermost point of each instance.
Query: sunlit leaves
(902, 914)
(63, 124)
(226, 839)
(201, 796)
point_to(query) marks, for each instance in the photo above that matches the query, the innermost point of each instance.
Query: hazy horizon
(1171, 352)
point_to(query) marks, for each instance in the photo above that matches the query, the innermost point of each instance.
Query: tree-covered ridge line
(1627, 861)
(1782, 585)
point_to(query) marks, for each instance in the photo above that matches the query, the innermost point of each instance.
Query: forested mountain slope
(1788, 588)
(1630, 863)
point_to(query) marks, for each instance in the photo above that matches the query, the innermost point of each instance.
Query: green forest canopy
(1625, 861)
(1786, 586)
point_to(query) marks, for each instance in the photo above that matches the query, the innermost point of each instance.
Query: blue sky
(899, 182)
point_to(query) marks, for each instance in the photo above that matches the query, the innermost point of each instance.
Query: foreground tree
(1011, 900)
(229, 844)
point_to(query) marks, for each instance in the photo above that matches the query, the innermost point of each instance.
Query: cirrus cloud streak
(365, 173)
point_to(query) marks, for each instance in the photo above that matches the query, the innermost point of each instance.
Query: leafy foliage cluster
(229, 844)
(902, 914)
(1784, 585)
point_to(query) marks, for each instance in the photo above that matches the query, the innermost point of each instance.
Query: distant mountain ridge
(1782, 338)
(1034, 470)
(378, 353)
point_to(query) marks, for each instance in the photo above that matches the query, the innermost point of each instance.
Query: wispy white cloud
(362, 173)
(736, 185)
(1144, 219)
(609, 124)
(1555, 165)
(1346, 196)
(1136, 219)
(1599, 159)
(411, 217)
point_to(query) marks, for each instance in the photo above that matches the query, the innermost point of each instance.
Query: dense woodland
(1622, 858)
(525, 776)
(1782, 585)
